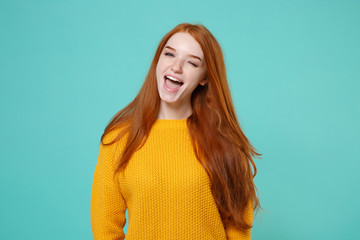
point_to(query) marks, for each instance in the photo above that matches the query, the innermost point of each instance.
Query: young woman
(176, 157)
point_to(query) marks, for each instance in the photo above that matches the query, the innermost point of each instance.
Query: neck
(174, 111)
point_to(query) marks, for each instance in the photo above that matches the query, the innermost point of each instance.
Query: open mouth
(172, 83)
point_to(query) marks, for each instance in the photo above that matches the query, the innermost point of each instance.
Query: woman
(176, 157)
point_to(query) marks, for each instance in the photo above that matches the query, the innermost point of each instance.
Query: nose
(176, 67)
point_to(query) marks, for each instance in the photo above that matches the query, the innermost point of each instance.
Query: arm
(233, 233)
(107, 203)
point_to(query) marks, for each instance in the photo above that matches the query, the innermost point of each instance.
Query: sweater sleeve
(107, 203)
(233, 233)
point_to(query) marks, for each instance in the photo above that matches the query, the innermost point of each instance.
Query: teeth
(173, 79)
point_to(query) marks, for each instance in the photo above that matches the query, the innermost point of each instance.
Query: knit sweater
(164, 187)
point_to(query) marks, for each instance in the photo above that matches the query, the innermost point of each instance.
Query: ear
(204, 81)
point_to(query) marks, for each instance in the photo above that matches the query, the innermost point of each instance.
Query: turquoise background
(66, 67)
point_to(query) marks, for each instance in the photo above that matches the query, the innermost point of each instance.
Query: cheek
(160, 66)
(196, 77)
(158, 69)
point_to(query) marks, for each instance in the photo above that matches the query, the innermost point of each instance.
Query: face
(180, 69)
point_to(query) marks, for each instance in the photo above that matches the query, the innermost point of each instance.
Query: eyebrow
(190, 55)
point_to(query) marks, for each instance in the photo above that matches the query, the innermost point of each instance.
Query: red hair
(227, 157)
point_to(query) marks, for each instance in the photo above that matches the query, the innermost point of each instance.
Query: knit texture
(164, 187)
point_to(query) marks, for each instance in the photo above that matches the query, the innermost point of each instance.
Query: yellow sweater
(164, 187)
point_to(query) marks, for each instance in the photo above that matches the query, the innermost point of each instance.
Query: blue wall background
(66, 67)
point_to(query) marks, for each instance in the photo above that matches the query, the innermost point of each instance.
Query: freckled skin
(179, 63)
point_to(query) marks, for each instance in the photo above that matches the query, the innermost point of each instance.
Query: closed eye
(169, 54)
(193, 64)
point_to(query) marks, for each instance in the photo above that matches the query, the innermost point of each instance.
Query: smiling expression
(180, 69)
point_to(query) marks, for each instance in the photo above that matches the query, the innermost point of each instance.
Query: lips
(174, 79)
(172, 83)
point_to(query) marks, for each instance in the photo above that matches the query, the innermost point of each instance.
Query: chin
(168, 100)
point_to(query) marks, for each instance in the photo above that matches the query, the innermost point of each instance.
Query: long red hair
(218, 141)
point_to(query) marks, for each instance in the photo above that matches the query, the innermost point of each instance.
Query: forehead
(184, 42)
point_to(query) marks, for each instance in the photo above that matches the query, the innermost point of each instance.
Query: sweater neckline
(170, 123)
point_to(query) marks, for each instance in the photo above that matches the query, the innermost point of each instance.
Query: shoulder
(115, 135)
(111, 146)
